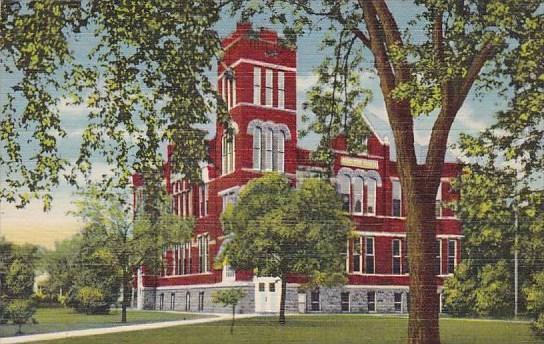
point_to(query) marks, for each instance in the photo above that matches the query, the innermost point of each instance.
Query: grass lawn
(334, 329)
(64, 319)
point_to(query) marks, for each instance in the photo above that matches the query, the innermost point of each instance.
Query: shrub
(535, 303)
(21, 312)
(91, 300)
(4, 315)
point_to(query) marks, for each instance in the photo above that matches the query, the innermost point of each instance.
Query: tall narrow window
(190, 201)
(269, 91)
(269, 149)
(203, 253)
(438, 258)
(257, 148)
(344, 301)
(233, 92)
(397, 199)
(452, 246)
(200, 301)
(201, 201)
(224, 88)
(397, 302)
(344, 189)
(227, 151)
(371, 196)
(229, 90)
(257, 85)
(396, 252)
(281, 90)
(314, 301)
(357, 255)
(357, 195)
(188, 301)
(369, 255)
(438, 205)
(371, 301)
(281, 151)
(405, 263)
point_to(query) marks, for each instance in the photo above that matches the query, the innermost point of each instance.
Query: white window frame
(373, 302)
(269, 88)
(439, 256)
(454, 256)
(258, 148)
(396, 182)
(353, 251)
(228, 160)
(398, 256)
(368, 182)
(280, 155)
(269, 149)
(257, 85)
(281, 90)
(399, 303)
(373, 255)
(345, 178)
(438, 201)
(229, 274)
(359, 196)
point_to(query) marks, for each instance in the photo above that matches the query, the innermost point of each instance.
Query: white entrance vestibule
(267, 294)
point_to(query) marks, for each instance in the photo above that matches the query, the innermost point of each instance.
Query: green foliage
(60, 264)
(495, 290)
(535, 302)
(92, 300)
(277, 230)
(228, 297)
(21, 312)
(4, 314)
(459, 297)
(20, 279)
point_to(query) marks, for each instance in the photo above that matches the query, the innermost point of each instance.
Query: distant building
(257, 78)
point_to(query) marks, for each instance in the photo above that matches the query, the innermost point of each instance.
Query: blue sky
(33, 225)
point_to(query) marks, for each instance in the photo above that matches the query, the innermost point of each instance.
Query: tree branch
(362, 37)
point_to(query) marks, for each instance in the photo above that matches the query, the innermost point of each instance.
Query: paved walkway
(118, 329)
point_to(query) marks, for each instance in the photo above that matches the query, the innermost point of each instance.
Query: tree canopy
(277, 230)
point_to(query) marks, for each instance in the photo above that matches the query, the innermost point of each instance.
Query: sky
(32, 225)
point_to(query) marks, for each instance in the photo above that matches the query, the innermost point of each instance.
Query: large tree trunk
(282, 299)
(423, 325)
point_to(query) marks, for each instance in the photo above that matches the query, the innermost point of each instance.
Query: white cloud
(469, 120)
(67, 108)
(305, 82)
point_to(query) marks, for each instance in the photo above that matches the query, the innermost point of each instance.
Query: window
(281, 90)
(172, 301)
(314, 301)
(357, 195)
(357, 255)
(438, 205)
(371, 196)
(229, 274)
(227, 152)
(200, 301)
(190, 201)
(452, 245)
(397, 302)
(344, 301)
(257, 85)
(224, 88)
(371, 301)
(203, 253)
(280, 146)
(187, 259)
(272, 287)
(269, 89)
(269, 148)
(229, 198)
(438, 258)
(396, 251)
(405, 263)
(257, 148)
(203, 199)
(188, 301)
(261, 287)
(369, 255)
(397, 199)
(344, 189)
(161, 302)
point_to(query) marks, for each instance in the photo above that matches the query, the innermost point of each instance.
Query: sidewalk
(118, 329)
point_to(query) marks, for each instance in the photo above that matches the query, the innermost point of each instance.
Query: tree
(112, 234)
(21, 312)
(279, 231)
(535, 302)
(60, 264)
(20, 279)
(460, 46)
(135, 83)
(229, 297)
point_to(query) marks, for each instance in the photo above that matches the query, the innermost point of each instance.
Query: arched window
(371, 196)
(344, 189)
(257, 148)
(358, 195)
(269, 149)
(227, 152)
(281, 151)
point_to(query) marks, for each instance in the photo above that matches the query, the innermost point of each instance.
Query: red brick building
(257, 78)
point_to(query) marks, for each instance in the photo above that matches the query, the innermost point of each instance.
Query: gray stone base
(186, 298)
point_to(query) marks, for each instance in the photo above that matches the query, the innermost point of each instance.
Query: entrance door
(267, 294)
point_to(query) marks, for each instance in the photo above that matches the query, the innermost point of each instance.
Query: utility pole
(516, 225)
